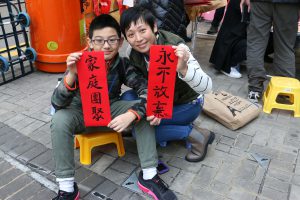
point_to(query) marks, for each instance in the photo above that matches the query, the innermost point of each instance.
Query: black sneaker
(62, 195)
(156, 187)
(254, 96)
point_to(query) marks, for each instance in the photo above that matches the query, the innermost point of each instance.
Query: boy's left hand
(183, 56)
(122, 121)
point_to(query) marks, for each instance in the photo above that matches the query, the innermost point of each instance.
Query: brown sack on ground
(231, 111)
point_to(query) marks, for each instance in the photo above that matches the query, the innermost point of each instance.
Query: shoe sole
(147, 191)
(210, 141)
(225, 73)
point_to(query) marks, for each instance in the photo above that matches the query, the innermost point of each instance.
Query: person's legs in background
(269, 49)
(257, 39)
(216, 21)
(238, 55)
(285, 24)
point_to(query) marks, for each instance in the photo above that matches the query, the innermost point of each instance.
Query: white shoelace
(255, 94)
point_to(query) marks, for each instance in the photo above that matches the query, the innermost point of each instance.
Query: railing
(16, 56)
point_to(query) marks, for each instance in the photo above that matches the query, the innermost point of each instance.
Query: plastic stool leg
(76, 142)
(85, 153)
(269, 101)
(120, 146)
(297, 105)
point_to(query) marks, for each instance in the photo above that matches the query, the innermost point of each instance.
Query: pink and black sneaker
(156, 187)
(62, 195)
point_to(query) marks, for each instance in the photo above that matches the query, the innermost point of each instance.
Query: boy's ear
(90, 43)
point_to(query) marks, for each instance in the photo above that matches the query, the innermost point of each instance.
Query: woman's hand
(122, 121)
(154, 121)
(183, 56)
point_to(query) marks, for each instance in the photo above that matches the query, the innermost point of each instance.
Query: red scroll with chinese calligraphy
(93, 89)
(161, 81)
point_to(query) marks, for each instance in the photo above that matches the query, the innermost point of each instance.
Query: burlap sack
(231, 111)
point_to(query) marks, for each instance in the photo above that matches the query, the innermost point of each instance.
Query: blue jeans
(177, 128)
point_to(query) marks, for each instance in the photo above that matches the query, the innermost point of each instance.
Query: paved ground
(229, 172)
(18, 184)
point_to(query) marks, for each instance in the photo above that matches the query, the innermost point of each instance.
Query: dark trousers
(284, 18)
(218, 16)
(238, 53)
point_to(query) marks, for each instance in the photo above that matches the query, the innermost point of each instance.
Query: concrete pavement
(229, 172)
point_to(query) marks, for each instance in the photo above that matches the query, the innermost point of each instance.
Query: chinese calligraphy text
(161, 81)
(93, 89)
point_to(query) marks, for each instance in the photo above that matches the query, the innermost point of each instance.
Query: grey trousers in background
(66, 122)
(284, 18)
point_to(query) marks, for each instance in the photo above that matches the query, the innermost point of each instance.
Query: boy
(139, 28)
(104, 35)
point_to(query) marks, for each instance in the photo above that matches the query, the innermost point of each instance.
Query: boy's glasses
(101, 42)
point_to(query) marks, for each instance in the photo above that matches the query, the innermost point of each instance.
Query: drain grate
(131, 183)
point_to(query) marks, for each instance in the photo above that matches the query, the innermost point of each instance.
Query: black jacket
(170, 15)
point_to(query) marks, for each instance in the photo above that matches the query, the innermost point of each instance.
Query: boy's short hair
(133, 14)
(103, 21)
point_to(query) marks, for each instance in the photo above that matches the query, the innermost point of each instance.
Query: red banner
(93, 89)
(161, 81)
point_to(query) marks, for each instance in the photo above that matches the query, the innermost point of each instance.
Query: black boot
(212, 30)
(200, 139)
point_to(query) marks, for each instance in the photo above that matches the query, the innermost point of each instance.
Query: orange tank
(57, 29)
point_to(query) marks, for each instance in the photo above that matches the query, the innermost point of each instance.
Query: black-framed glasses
(101, 42)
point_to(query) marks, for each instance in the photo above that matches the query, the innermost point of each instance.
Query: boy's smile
(106, 40)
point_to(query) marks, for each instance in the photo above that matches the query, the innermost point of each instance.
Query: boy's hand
(71, 62)
(154, 121)
(122, 121)
(183, 56)
(71, 66)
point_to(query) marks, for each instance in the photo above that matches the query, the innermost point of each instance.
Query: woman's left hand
(183, 57)
(154, 121)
